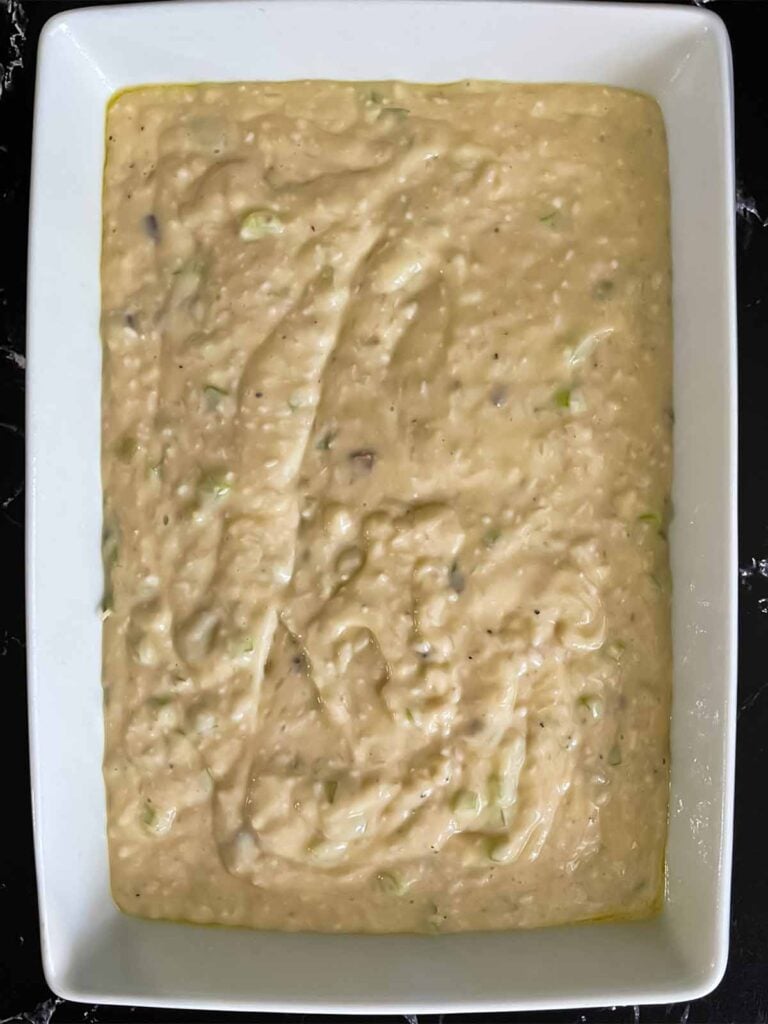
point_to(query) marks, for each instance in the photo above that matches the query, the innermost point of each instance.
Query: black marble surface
(743, 994)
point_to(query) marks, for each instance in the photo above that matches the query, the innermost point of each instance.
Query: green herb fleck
(435, 918)
(187, 280)
(491, 536)
(213, 395)
(495, 791)
(126, 448)
(260, 224)
(562, 398)
(456, 579)
(325, 443)
(393, 882)
(603, 290)
(498, 849)
(616, 649)
(592, 704)
(614, 755)
(160, 700)
(216, 484)
(649, 517)
(465, 801)
(110, 548)
(652, 519)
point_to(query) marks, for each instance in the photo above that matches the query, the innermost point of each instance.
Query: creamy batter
(386, 461)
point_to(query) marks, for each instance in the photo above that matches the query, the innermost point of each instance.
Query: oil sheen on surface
(386, 459)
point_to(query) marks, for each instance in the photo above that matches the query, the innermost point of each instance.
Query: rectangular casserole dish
(93, 953)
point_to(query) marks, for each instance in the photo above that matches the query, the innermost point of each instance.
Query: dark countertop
(743, 994)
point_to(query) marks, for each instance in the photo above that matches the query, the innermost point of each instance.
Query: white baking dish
(92, 952)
